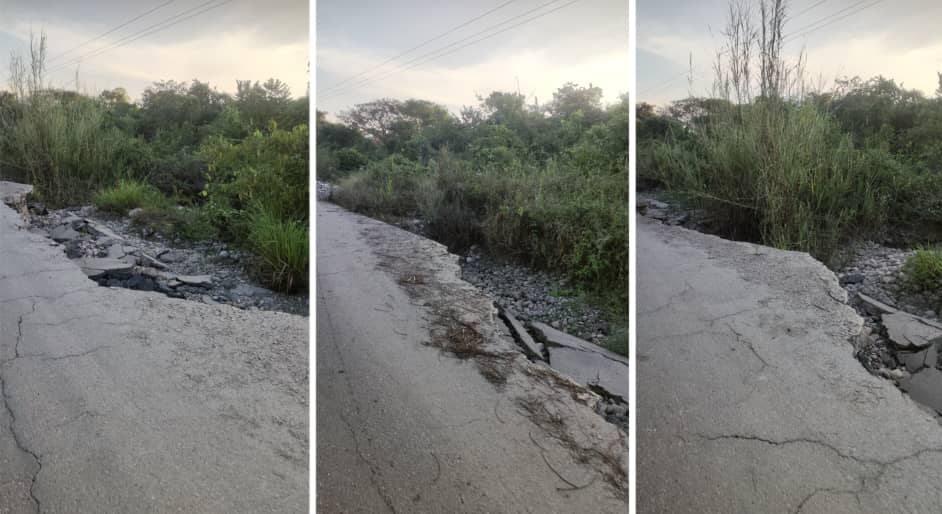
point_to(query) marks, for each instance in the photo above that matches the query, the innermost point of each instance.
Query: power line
(96, 38)
(406, 65)
(806, 9)
(436, 38)
(661, 84)
(811, 27)
(819, 25)
(331, 91)
(157, 27)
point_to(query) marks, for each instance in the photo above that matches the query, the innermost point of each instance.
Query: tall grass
(770, 165)
(55, 139)
(281, 248)
(556, 218)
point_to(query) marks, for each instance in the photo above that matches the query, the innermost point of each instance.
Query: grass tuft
(922, 271)
(282, 250)
(131, 194)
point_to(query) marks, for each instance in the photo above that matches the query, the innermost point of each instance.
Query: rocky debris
(113, 252)
(533, 295)
(652, 205)
(524, 340)
(909, 332)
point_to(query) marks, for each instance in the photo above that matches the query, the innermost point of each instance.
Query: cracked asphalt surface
(119, 401)
(749, 397)
(404, 427)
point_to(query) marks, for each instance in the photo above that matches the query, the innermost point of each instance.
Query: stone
(249, 290)
(170, 256)
(63, 233)
(147, 260)
(196, 280)
(135, 212)
(853, 278)
(914, 361)
(907, 331)
(96, 267)
(925, 387)
(115, 251)
(102, 231)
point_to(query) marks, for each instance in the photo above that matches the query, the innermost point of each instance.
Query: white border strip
(632, 267)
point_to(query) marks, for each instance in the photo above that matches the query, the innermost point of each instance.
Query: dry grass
(555, 426)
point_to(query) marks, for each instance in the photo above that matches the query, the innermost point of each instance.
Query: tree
(116, 96)
(374, 119)
(572, 98)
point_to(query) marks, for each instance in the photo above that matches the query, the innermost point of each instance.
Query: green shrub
(282, 250)
(922, 271)
(130, 194)
(268, 170)
(617, 340)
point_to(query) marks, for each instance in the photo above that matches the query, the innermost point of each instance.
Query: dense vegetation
(199, 163)
(543, 184)
(795, 168)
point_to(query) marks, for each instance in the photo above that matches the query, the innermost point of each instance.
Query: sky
(240, 39)
(899, 39)
(585, 42)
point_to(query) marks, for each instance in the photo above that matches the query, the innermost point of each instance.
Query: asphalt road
(404, 427)
(749, 397)
(119, 401)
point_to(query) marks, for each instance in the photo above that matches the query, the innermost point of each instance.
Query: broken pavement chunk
(585, 362)
(911, 332)
(196, 280)
(520, 334)
(98, 267)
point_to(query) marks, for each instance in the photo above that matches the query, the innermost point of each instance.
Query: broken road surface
(123, 401)
(404, 426)
(749, 396)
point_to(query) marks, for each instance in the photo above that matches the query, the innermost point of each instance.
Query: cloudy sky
(586, 42)
(900, 39)
(240, 39)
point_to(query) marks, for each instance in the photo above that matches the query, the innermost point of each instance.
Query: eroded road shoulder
(749, 395)
(125, 401)
(424, 402)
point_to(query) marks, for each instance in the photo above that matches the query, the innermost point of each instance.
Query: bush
(267, 170)
(282, 250)
(922, 271)
(130, 194)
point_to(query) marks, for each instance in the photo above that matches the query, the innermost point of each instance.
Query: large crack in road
(125, 401)
(423, 395)
(749, 395)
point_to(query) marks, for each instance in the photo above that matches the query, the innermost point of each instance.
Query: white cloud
(539, 71)
(219, 59)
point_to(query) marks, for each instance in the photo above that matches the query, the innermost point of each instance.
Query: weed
(282, 250)
(130, 194)
(922, 271)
